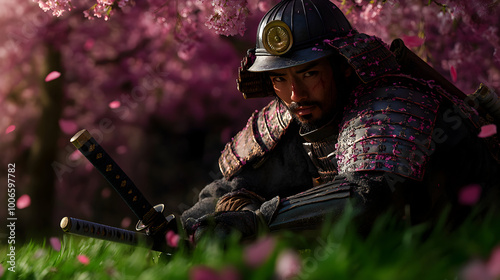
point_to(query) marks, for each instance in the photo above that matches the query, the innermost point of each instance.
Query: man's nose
(299, 92)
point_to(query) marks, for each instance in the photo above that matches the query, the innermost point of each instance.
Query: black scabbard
(115, 176)
(109, 233)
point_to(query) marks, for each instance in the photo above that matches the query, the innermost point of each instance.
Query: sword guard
(149, 220)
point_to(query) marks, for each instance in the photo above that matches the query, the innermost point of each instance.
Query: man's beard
(305, 124)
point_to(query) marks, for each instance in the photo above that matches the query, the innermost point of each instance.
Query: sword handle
(115, 176)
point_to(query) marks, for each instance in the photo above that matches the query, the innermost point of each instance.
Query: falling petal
(83, 259)
(172, 239)
(121, 149)
(114, 104)
(55, 243)
(470, 194)
(257, 253)
(106, 193)
(453, 73)
(126, 222)
(52, 76)
(487, 131)
(412, 41)
(23, 201)
(9, 129)
(75, 155)
(1, 270)
(68, 126)
(494, 263)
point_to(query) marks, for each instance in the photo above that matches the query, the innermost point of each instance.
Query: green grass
(390, 251)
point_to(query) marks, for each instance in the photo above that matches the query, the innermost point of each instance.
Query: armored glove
(241, 211)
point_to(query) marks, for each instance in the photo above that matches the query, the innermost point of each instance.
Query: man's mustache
(295, 105)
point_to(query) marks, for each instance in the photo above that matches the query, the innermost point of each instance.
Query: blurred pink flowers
(288, 264)
(172, 239)
(470, 194)
(55, 243)
(480, 270)
(52, 76)
(83, 259)
(487, 131)
(258, 253)
(23, 201)
(207, 273)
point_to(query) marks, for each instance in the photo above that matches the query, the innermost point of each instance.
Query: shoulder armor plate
(389, 128)
(261, 134)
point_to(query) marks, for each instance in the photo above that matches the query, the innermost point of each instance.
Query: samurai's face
(308, 90)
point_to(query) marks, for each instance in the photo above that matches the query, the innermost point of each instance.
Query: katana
(151, 219)
(109, 233)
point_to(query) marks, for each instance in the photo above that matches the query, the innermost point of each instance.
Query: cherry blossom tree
(153, 81)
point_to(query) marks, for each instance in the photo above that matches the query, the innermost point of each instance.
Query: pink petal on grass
(172, 239)
(55, 243)
(10, 128)
(23, 201)
(476, 270)
(257, 253)
(52, 76)
(494, 263)
(487, 131)
(288, 264)
(83, 259)
(203, 273)
(470, 194)
(453, 73)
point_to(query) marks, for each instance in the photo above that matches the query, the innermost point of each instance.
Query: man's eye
(310, 73)
(277, 79)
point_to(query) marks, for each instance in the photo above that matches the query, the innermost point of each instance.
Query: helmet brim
(265, 62)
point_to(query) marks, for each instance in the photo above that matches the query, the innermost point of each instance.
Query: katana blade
(109, 233)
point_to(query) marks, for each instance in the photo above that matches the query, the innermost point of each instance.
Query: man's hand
(222, 224)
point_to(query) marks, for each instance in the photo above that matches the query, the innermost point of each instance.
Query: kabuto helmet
(293, 31)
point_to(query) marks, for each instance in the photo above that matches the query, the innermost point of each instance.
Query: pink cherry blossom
(487, 131)
(83, 259)
(52, 76)
(23, 201)
(172, 239)
(257, 253)
(10, 128)
(470, 194)
(55, 243)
